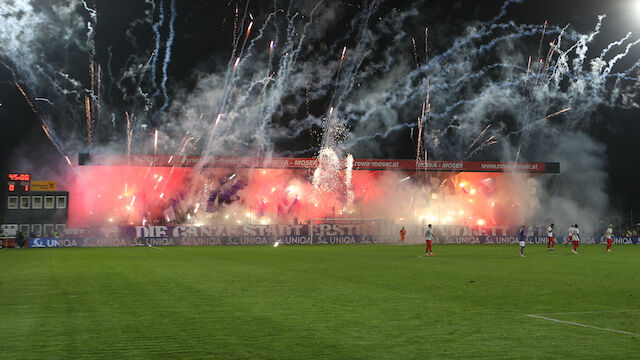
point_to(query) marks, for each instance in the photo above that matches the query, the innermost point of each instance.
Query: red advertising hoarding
(312, 163)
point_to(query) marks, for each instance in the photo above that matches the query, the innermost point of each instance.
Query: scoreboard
(18, 182)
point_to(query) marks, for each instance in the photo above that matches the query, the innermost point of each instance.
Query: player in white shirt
(575, 238)
(551, 242)
(609, 235)
(571, 231)
(428, 237)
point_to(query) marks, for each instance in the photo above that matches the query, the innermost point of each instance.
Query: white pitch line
(589, 312)
(583, 325)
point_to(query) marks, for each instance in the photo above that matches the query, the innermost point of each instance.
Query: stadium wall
(220, 235)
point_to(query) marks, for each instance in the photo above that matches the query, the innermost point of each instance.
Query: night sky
(203, 45)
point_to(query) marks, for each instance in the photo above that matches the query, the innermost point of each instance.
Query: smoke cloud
(292, 82)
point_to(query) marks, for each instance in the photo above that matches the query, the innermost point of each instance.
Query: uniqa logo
(37, 243)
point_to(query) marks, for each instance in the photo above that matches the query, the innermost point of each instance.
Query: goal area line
(583, 325)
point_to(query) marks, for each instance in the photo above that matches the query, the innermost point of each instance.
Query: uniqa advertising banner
(337, 233)
(290, 240)
(530, 240)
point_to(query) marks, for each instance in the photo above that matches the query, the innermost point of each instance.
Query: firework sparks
(415, 51)
(155, 142)
(248, 30)
(475, 141)
(87, 103)
(536, 123)
(526, 76)
(348, 181)
(44, 125)
(129, 132)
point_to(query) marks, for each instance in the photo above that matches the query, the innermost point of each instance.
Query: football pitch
(320, 302)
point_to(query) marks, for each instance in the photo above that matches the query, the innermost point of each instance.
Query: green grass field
(319, 302)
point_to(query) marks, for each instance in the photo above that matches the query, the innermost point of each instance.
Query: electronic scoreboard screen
(18, 182)
(19, 177)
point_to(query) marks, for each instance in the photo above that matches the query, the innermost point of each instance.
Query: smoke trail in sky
(167, 55)
(503, 10)
(156, 52)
